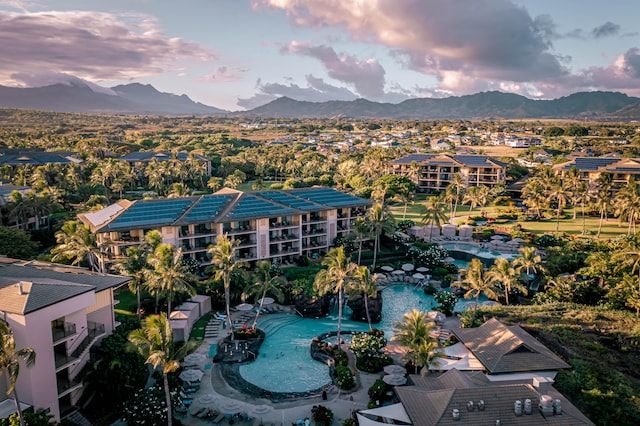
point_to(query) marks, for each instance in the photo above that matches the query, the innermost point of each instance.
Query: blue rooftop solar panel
(472, 160)
(252, 206)
(330, 197)
(590, 163)
(152, 212)
(206, 208)
(413, 157)
(291, 200)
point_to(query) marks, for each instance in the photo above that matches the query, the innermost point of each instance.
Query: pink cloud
(91, 45)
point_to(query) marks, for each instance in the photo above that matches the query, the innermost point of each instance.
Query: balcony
(63, 332)
(66, 386)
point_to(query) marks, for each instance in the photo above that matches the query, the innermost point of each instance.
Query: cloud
(91, 45)
(465, 44)
(623, 74)
(225, 74)
(605, 30)
(367, 77)
(316, 90)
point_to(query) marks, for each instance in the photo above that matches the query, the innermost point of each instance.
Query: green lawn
(611, 228)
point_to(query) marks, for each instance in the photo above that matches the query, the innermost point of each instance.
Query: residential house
(270, 225)
(139, 160)
(437, 170)
(60, 312)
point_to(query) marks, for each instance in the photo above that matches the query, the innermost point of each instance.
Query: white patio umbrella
(194, 358)
(422, 269)
(497, 237)
(398, 272)
(407, 267)
(519, 240)
(232, 406)
(394, 379)
(244, 307)
(418, 276)
(191, 375)
(448, 259)
(387, 268)
(395, 369)
(267, 300)
(207, 398)
(259, 410)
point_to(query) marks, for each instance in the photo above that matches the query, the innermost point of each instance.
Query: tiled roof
(503, 349)
(23, 297)
(464, 160)
(435, 407)
(36, 158)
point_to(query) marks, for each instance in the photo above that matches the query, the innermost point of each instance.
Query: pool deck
(215, 393)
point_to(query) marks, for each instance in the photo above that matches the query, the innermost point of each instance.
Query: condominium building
(436, 171)
(270, 225)
(591, 168)
(60, 312)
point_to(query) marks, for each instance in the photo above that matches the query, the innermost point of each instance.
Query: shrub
(147, 407)
(323, 416)
(378, 390)
(340, 357)
(344, 377)
(446, 301)
(349, 422)
(367, 348)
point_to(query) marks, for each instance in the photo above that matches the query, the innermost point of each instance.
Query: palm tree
(361, 228)
(414, 332)
(178, 190)
(364, 283)
(629, 256)
(476, 196)
(169, 275)
(603, 196)
(477, 282)
(136, 267)
(10, 362)
(154, 341)
(214, 183)
(224, 263)
(433, 213)
(529, 261)
(380, 220)
(573, 182)
(265, 284)
(336, 277)
(561, 193)
(533, 193)
(457, 185)
(627, 202)
(413, 172)
(502, 272)
(77, 242)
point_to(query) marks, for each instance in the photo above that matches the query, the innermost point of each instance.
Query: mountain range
(77, 95)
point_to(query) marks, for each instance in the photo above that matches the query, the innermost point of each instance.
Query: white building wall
(37, 385)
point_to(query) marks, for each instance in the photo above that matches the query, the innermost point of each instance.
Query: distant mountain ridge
(484, 105)
(76, 95)
(132, 98)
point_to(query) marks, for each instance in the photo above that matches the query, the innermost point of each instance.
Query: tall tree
(560, 192)
(224, 263)
(169, 275)
(529, 261)
(477, 282)
(433, 213)
(604, 185)
(77, 242)
(361, 228)
(415, 333)
(364, 284)
(457, 185)
(336, 278)
(504, 274)
(154, 342)
(380, 220)
(10, 362)
(264, 285)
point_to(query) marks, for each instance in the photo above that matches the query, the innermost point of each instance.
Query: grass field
(611, 228)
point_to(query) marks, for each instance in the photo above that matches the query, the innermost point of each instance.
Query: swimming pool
(285, 365)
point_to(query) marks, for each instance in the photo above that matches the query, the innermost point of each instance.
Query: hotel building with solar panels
(590, 169)
(270, 225)
(437, 170)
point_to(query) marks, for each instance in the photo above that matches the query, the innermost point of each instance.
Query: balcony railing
(63, 331)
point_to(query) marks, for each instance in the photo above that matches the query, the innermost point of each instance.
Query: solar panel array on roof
(472, 160)
(330, 197)
(413, 157)
(251, 206)
(626, 169)
(206, 208)
(291, 200)
(151, 212)
(591, 163)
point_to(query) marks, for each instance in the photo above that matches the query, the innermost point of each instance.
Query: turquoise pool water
(284, 363)
(476, 250)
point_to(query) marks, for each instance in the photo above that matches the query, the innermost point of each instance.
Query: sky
(240, 54)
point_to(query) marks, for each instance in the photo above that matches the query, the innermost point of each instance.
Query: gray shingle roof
(503, 349)
(22, 297)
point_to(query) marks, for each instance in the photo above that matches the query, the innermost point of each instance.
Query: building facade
(436, 171)
(270, 225)
(60, 312)
(590, 169)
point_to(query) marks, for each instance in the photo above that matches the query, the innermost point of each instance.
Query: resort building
(139, 160)
(436, 171)
(495, 375)
(270, 225)
(591, 168)
(61, 312)
(33, 157)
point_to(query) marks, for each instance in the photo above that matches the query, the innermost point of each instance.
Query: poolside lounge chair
(219, 418)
